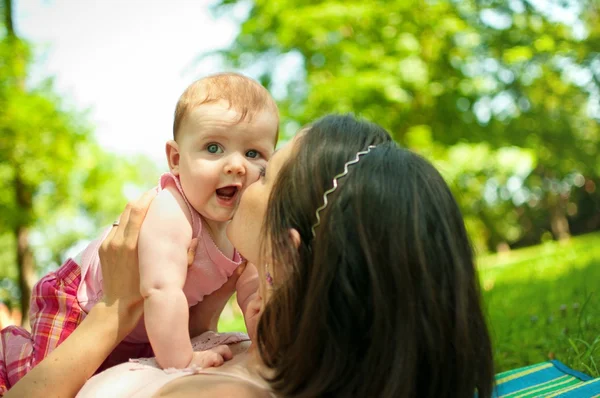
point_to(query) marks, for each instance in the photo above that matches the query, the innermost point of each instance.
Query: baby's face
(219, 157)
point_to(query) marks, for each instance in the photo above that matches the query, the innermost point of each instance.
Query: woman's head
(384, 300)
(341, 136)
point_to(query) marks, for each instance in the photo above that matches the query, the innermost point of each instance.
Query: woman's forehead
(281, 155)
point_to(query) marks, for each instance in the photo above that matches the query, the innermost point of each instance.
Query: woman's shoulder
(214, 385)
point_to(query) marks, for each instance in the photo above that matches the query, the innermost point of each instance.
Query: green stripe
(582, 385)
(510, 372)
(551, 389)
(529, 389)
(523, 373)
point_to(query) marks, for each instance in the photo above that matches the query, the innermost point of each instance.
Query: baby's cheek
(254, 171)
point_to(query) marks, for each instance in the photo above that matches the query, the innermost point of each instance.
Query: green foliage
(59, 185)
(98, 189)
(70, 187)
(8, 271)
(480, 78)
(39, 145)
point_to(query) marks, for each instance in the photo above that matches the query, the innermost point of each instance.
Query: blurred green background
(503, 96)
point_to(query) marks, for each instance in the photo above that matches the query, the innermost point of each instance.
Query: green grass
(232, 324)
(543, 303)
(231, 319)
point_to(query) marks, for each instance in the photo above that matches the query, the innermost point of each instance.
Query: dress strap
(168, 179)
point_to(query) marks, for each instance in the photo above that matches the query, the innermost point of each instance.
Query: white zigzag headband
(335, 185)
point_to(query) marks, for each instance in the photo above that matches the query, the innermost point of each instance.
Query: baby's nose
(235, 165)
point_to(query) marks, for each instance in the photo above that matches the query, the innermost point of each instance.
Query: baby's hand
(211, 358)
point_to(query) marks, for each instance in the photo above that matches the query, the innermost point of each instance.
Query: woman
(368, 283)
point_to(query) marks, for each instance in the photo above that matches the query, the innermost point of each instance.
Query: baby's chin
(219, 220)
(224, 218)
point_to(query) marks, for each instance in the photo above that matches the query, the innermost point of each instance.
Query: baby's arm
(246, 286)
(246, 291)
(163, 245)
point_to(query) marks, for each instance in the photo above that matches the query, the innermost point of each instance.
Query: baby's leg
(55, 311)
(15, 354)
(54, 314)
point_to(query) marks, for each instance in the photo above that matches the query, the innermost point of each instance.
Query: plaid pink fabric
(54, 314)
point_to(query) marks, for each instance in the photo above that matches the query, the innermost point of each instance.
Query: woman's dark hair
(385, 300)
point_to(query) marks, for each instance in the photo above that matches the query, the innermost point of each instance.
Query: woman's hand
(119, 258)
(65, 370)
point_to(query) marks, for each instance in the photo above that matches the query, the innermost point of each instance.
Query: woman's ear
(295, 236)
(172, 149)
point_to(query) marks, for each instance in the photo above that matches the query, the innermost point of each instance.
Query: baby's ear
(295, 236)
(172, 150)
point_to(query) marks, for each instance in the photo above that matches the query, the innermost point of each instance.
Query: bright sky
(125, 60)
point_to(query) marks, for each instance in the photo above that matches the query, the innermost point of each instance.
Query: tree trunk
(558, 217)
(8, 18)
(26, 265)
(25, 259)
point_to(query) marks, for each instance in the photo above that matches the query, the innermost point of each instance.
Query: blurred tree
(510, 74)
(544, 59)
(58, 185)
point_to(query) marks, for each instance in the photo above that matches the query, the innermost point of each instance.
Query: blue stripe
(564, 368)
(559, 369)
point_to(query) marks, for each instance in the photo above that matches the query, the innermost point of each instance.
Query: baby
(224, 132)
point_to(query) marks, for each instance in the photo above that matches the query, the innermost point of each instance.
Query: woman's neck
(246, 354)
(256, 365)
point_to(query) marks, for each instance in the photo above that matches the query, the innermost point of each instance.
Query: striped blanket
(546, 379)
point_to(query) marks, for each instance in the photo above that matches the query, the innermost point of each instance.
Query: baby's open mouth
(227, 193)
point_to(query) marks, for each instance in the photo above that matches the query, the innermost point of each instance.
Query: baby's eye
(252, 154)
(214, 148)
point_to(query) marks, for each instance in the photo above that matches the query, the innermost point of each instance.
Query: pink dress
(61, 299)
(209, 271)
